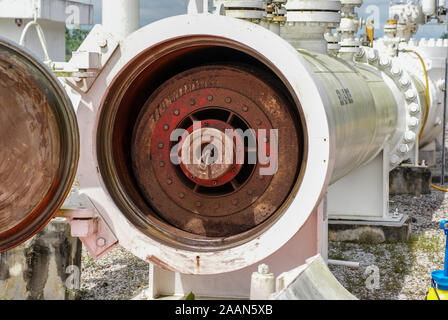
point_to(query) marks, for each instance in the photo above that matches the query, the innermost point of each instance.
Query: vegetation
(73, 39)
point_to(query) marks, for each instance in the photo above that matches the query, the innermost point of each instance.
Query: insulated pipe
(345, 114)
(364, 109)
(121, 17)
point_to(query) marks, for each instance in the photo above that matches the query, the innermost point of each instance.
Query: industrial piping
(325, 118)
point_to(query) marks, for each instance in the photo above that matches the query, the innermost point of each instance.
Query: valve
(370, 31)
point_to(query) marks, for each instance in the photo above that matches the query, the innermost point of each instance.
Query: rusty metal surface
(204, 167)
(216, 93)
(37, 129)
(130, 90)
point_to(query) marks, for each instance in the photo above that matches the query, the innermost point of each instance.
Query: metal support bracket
(363, 195)
(88, 225)
(86, 63)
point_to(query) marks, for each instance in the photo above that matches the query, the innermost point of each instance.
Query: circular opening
(200, 143)
(39, 146)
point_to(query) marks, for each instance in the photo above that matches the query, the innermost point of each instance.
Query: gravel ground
(404, 268)
(116, 276)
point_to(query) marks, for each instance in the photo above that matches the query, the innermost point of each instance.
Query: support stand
(310, 240)
(360, 201)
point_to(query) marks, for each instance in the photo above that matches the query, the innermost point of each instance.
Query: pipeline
(332, 117)
(428, 106)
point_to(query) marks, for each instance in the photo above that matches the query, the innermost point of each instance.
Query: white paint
(363, 194)
(316, 177)
(53, 10)
(121, 17)
(54, 35)
(262, 283)
(52, 15)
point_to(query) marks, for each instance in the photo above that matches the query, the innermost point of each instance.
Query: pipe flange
(324, 12)
(350, 45)
(245, 9)
(411, 126)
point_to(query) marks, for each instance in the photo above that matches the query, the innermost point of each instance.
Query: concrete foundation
(410, 180)
(368, 232)
(46, 267)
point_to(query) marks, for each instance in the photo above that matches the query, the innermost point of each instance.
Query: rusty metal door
(39, 145)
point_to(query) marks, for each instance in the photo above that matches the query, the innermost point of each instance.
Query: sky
(152, 10)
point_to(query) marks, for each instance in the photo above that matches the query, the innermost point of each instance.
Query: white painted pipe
(121, 17)
(349, 264)
(429, 7)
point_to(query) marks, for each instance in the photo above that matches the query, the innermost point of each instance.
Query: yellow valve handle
(370, 31)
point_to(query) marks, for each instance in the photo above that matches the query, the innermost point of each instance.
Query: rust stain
(198, 263)
(30, 147)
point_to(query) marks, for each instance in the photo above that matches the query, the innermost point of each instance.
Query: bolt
(396, 71)
(198, 204)
(181, 195)
(102, 43)
(409, 136)
(385, 61)
(233, 170)
(176, 112)
(192, 102)
(166, 127)
(228, 100)
(403, 148)
(235, 202)
(161, 145)
(404, 82)
(210, 98)
(215, 183)
(263, 269)
(205, 123)
(245, 108)
(413, 122)
(414, 108)
(250, 192)
(258, 122)
(101, 242)
(162, 163)
(394, 159)
(373, 55)
(410, 94)
(169, 181)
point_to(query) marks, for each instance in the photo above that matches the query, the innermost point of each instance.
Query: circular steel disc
(38, 145)
(244, 99)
